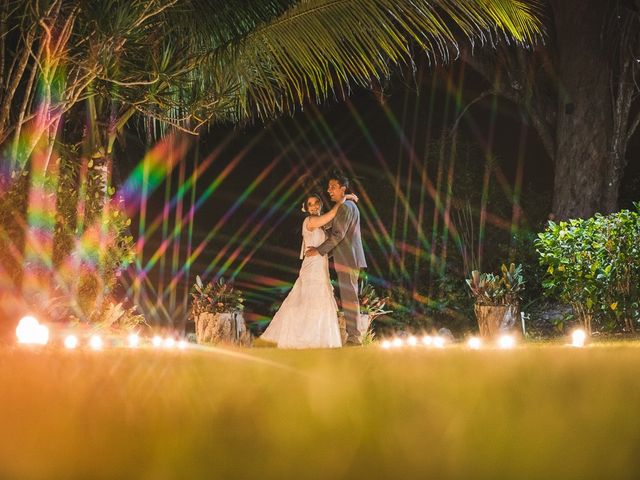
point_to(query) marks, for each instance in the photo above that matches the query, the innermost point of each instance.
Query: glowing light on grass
(578, 338)
(506, 342)
(169, 342)
(427, 340)
(386, 344)
(71, 342)
(96, 343)
(133, 340)
(156, 341)
(439, 342)
(412, 341)
(397, 342)
(474, 343)
(182, 345)
(30, 332)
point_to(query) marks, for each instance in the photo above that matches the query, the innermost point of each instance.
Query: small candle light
(29, 331)
(506, 342)
(169, 342)
(427, 340)
(156, 341)
(386, 344)
(412, 341)
(438, 342)
(474, 343)
(133, 340)
(95, 342)
(397, 342)
(70, 342)
(182, 344)
(578, 338)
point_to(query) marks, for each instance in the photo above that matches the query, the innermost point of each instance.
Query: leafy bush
(492, 290)
(219, 297)
(594, 265)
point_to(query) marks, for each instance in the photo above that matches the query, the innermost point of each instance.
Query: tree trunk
(585, 109)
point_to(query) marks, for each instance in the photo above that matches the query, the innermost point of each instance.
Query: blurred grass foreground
(536, 412)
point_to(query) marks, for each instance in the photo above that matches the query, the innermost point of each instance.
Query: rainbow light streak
(282, 199)
(213, 186)
(147, 176)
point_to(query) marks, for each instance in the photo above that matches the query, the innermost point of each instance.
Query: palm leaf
(322, 48)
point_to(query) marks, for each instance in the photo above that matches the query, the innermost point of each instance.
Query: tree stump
(495, 319)
(222, 328)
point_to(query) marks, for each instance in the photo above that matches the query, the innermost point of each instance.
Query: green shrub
(594, 265)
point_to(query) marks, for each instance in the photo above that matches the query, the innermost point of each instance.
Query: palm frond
(323, 48)
(207, 24)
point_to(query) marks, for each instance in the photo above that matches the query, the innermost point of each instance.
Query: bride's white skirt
(308, 316)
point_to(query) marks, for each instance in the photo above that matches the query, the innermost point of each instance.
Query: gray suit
(344, 242)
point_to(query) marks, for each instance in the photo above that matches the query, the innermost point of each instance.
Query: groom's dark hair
(342, 180)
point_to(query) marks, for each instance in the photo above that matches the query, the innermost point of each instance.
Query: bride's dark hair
(306, 199)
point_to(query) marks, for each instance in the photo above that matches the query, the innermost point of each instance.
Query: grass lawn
(544, 411)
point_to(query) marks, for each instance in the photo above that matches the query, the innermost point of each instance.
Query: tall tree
(580, 92)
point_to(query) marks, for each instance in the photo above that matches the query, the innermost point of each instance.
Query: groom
(345, 244)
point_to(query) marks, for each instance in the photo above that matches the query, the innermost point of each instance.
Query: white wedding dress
(308, 316)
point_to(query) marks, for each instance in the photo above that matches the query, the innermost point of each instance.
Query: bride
(308, 316)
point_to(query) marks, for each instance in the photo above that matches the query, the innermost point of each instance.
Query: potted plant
(216, 309)
(497, 298)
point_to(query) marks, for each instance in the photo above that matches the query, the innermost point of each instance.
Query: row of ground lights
(505, 342)
(32, 332)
